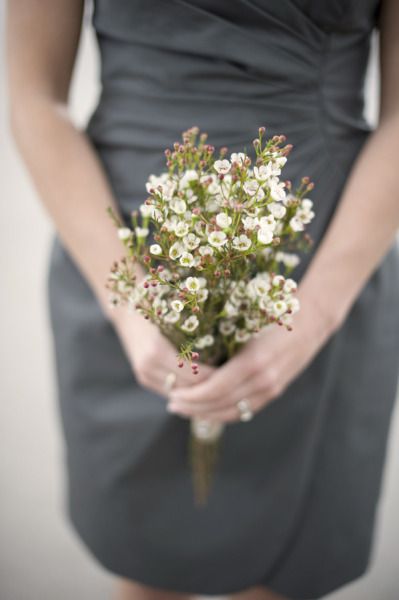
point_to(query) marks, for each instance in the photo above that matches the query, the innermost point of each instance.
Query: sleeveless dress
(294, 504)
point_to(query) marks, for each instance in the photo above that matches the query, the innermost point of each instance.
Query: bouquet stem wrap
(204, 450)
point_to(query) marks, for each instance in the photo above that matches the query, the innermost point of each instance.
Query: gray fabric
(294, 503)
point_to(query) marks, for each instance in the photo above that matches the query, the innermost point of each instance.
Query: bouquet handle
(205, 437)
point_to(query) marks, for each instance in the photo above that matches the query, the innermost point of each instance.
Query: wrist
(324, 318)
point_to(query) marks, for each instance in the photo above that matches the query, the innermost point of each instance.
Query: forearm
(361, 231)
(73, 189)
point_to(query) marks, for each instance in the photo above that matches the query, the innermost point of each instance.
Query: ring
(244, 407)
(170, 380)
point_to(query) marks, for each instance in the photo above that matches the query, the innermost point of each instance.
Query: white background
(41, 558)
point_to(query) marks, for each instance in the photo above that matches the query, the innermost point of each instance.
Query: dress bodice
(295, 66)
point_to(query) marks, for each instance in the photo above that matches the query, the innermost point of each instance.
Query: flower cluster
(224, 241)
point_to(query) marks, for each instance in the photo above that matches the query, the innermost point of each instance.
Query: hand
(259, 372)
(152, 355)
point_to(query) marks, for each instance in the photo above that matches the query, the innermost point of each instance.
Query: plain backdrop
(41, 558)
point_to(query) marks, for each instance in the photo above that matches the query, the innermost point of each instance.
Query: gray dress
(294, 505)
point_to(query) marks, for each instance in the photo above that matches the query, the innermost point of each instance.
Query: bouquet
(225, 237)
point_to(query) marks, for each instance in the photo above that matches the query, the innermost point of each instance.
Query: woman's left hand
(259, 372)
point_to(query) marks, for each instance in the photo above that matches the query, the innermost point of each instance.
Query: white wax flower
(186, 259)
(251, 186)
(189, 175)
(142, 232)
(279, 307)
(293, 304)
(177, 305)
(226, 327)
(155, 249)
(242, 335)
(191, 241)
(145, 210)
(262, 173)
(176, 250)
(202, 294)
(222, 166)
(192, 284)
(289, 259)
(181, 229)
(205, 250)
(296, 224)
(277, 190)
(277, 280)
(249, 223)
(223, 220)
(241, 242)
(238, 157)
(124, 233)
(265, 236)
(204, 341)
(190, 324)
(217, 238)
(190, 196)
(178, 206)
(289, 286)
(171, 317)
(277, 210)
(307, 203)
(267, 222)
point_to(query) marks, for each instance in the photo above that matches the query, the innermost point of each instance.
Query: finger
(219, 384)
(231, 413)
(250, 387)
(168, 362)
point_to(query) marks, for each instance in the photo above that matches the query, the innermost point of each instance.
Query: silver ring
(244, 407)
(170, 381)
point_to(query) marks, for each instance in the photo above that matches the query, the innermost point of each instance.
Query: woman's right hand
(151, 355)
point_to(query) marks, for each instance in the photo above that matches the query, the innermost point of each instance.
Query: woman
(292, 510)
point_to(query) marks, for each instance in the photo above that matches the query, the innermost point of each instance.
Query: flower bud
(195, 355)
(180, 364)
(262, 130)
